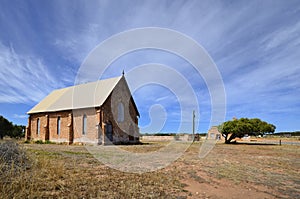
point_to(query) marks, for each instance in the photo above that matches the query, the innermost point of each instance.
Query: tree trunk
(228, 141)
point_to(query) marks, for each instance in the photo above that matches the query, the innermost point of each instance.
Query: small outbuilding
(213, 133)
(101, 112)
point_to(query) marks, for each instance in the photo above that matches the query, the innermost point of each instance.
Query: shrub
(39, 142)
(27, 141)
(42, 142)
(48, 142)
(12, 158)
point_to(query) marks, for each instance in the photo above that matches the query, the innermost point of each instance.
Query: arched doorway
(108, 132)
(131, 133)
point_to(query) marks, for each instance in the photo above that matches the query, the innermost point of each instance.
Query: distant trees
(7, 128)
(238, 128)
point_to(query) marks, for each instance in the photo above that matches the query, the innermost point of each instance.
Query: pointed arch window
(120, 112)
(58, 125)
(84, 124)
(38, 125)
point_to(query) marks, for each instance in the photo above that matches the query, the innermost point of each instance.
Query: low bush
(48, 142)
(39, 142)
(13, 158)
(43, 142)
(27, 141)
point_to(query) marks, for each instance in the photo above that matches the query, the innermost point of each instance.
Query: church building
(101, 112)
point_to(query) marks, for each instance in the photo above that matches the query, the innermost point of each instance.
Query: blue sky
(254, 44)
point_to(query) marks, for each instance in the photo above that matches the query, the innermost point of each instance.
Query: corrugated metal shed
(91, 94)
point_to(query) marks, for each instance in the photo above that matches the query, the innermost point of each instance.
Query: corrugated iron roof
(91, 94)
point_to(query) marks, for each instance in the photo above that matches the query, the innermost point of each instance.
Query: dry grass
(71, 172)
(147, 147)
(60, 171)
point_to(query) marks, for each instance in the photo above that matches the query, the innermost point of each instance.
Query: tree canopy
(238, 128)
(7, 128)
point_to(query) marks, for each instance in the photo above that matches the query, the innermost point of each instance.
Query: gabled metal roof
(87, 95)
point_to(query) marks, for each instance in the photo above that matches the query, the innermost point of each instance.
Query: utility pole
(193, 125)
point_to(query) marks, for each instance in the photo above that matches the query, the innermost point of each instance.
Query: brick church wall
(129, 126)
(63, 136)
(34, 131)
(91, 135)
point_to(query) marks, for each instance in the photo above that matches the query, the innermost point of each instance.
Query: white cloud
(24, 79)
(75, 45)
(20, 116)
(284, 37)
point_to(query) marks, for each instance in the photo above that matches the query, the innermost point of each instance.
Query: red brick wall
(52, 126)
(91, 135)
(64, 129)
(33, 127)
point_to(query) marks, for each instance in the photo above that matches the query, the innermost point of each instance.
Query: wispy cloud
(20, 116)
(24, 79)
(284, 38)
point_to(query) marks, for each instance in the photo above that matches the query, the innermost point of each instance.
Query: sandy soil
(243, 171)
